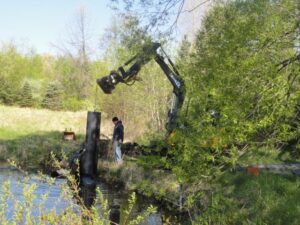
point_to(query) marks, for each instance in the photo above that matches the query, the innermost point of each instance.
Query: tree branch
(196, 7)
(288, 61)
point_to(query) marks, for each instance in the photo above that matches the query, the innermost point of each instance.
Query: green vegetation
(29, 135)
(24, 121)
(159, 184)
(247, 199)
(26, 96)
(242, 107)
(53, 99)
(234, 197)
(30, 211)
(242, 103)
(239, 98)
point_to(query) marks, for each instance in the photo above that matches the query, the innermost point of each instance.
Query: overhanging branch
(288, 61)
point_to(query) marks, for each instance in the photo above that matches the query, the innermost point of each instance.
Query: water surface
(54, 200)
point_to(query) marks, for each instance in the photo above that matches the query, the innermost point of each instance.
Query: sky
(41, 24)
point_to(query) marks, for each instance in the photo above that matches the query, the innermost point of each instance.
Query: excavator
(128, 72)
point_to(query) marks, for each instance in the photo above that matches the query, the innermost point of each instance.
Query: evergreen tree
(52, 99)
(26, 96)
(8, 91)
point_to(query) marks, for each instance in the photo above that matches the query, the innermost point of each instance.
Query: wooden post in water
(114, 215)
(89, 159)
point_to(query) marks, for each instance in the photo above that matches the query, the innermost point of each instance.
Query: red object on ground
(253, 170)
(69, 136)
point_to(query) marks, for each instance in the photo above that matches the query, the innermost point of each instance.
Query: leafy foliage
(246, 199)
(237, 96)
(242, 80)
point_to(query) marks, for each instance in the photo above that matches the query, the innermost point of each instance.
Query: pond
(54, 200)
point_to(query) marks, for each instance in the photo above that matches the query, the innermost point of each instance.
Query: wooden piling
(89, 159)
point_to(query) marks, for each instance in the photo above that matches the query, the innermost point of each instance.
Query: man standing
(118, 137)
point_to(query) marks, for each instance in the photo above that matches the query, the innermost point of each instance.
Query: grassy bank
(17, 122)
(240, 198)
(152, 183)
(29, 135)
(236, 197)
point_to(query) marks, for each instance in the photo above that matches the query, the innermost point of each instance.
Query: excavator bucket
(108, 83)
(105, 84)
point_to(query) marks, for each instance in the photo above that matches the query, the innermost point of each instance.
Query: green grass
(29, 135)
(16, 122)
(33, 150)
(8, 134)
(241, 198)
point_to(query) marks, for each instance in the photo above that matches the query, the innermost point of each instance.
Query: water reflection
(55, 202)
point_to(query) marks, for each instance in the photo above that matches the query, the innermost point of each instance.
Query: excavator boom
(149, 52)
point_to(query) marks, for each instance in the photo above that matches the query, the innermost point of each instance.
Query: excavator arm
(134, 65)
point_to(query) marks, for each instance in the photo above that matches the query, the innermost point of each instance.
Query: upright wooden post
(89, 159)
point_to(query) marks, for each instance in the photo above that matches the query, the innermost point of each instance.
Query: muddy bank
(157, 186)
(154, 183)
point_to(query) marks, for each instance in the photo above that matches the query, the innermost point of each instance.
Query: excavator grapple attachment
(108, 83)
(105, 85)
